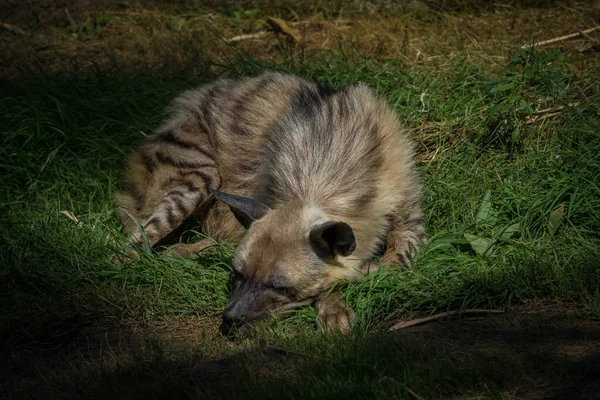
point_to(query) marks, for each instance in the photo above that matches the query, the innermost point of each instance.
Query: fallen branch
(562, 38)
(277, 24)
(280, 26)
(70, 215)
(545, 110)
(419, 321)
(536, 118)
(413, 394)
(239, 38)
(13, 29)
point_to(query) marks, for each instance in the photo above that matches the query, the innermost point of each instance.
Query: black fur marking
(309, 99)
(153, 221)
(389, 220)
(249, 165)
(205, 117)
(181, 209)
(366, 198)
(373, 154)
(404, 258)
(177, 193)
(207, 180)
(343, 109)
(172, 139)
(306, 102)
(171, 218)
(190, 186)
(148, 162)
(414, 221)
(165, 159)
(134, 192)
(324, 90)
(240, 107)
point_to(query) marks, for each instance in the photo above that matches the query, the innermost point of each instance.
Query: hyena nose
(230, 317)
(231, 321)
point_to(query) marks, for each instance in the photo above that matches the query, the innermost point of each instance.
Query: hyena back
(317, 181)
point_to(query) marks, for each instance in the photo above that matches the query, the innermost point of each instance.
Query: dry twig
(13, 29)
(413, 394)
(536, 118)
(278, 25)
(561, 38)
(419, 321)
(70, 215)
(239, 38)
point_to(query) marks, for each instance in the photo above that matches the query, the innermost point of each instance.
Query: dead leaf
(280, 26)
(556, 217)
(70, 215)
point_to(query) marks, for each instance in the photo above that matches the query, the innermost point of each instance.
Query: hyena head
(286, 259)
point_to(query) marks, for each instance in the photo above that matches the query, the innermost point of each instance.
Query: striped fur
(310, 154)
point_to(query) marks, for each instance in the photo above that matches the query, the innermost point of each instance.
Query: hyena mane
(309, 181)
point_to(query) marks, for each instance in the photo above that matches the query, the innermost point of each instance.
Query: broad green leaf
(508, 231)
(502, 88)
(495, 109)
(528, 73)
(480, 244)
(525, 107)
(446, 241)
(556, 217)
(515, 134)
(520, 50)
(486, 214)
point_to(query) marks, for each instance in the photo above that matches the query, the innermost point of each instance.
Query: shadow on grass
(541, 352)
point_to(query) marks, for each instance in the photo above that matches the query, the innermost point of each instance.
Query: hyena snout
(248, 304)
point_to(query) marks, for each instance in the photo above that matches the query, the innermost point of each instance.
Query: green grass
(511, 210)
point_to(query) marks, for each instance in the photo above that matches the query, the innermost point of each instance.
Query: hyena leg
(167, 180)
(405, 236)
(177, 204)
(333, 315)
(186, 250)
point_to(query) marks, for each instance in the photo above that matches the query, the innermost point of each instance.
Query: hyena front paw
(370, 267)
(333, 315)
(407, 247)
(187, 250)
(130, 254)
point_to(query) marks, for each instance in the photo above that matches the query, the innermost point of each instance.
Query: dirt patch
(557, 344)
(557, 347)
(69, 36)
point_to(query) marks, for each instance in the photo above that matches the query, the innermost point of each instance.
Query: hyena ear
(331, 239)
(245, 209)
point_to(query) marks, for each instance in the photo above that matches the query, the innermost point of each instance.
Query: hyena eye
(237, 275)
(236, 278)
(279, 288)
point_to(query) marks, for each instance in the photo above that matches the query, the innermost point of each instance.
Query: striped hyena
(309, 181)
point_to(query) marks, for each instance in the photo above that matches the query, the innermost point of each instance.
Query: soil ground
(558, 345)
